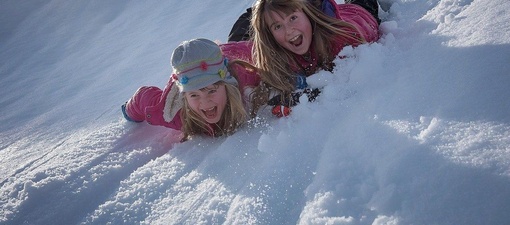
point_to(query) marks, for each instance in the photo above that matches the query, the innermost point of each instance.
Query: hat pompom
(222, 74)
(183, 80)
(203, 66)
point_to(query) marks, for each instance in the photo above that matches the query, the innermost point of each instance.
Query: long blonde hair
(274, 61)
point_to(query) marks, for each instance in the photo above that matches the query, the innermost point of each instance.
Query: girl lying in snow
(203, 95)
(293, 39)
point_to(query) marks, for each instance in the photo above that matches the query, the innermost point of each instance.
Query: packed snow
(412, 129)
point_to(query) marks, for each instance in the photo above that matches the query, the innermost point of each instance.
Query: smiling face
(209, 102)
(292, 31)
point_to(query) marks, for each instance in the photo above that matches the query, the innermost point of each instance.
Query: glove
(281, 110)
(293, 99)
(312, 94)
(283, 103)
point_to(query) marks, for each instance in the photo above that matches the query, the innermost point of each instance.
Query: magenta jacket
(365, 23)
(366, 26)
(157, 107)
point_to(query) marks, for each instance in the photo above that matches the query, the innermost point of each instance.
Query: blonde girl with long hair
(205, 94)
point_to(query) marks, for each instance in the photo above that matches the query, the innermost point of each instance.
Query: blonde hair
(233, 116)
(275, 62)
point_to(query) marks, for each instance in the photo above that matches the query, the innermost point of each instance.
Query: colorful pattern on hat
(199, 63)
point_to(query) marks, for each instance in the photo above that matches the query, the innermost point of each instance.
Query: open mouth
(297, 40)
(210, 113)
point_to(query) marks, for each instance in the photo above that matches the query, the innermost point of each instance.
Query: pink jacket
(366, 26)
(153, 105)
(365, 23)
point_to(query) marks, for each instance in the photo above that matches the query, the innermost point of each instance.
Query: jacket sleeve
(366, 24)
(241, 50)
(247, 79)
(240, 30)
(144, 97)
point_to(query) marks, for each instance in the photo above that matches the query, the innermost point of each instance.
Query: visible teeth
(209, 109)
(294, 38)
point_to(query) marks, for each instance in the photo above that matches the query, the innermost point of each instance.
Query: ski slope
(413, 129)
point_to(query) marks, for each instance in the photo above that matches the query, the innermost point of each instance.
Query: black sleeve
(241, 29)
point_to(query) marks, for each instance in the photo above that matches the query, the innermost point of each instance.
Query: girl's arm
(367, 26)
(144, 97)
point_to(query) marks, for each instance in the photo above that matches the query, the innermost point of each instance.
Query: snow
(413, 129)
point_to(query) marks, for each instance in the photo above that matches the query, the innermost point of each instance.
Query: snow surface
(413, 129)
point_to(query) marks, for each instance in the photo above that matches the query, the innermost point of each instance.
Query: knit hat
(199, 63)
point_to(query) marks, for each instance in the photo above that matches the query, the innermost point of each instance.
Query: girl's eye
(293, 17)
(212, 91)
(192, 95)
(277, 27)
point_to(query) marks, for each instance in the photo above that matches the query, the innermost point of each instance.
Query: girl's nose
(204, 100)
(288, 29)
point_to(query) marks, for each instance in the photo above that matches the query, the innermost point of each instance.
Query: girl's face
(208, 102)
(292, 31)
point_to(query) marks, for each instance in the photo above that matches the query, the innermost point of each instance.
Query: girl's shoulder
(361, 19)
(237, 50)
(241, 50)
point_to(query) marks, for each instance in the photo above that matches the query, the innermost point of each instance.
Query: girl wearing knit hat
(203, 95)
